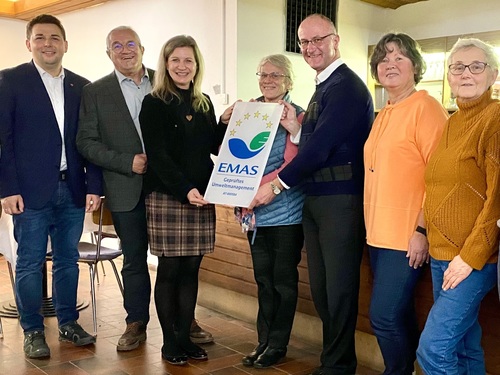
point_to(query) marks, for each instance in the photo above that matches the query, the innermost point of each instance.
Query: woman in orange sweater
(402, 139)
(461, 209)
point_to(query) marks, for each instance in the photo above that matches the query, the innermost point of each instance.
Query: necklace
(187, 102)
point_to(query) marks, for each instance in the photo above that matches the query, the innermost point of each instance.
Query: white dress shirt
(55, 90)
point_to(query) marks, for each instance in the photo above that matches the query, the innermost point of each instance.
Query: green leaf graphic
(259, 140)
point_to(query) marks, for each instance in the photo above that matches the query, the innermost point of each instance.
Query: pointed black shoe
(269, 357)
(248, 360)
(177, 357)
(195, 352)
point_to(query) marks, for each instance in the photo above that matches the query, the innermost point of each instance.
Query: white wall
(154, 20)
(261, 32)
(14, 46)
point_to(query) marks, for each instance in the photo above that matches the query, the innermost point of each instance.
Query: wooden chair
(107, 221)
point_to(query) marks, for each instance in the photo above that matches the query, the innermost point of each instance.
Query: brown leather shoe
(198, 335)
(134, 334)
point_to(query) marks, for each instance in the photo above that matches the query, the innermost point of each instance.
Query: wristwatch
(421, 230)
(276, 189)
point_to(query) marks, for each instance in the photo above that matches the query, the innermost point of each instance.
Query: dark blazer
(108, 138)
(31, 141)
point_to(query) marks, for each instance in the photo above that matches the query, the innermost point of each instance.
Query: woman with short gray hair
(461, 208)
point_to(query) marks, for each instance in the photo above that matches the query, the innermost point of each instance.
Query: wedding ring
(91, 202)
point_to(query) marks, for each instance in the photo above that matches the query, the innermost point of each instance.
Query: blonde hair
(164, 87)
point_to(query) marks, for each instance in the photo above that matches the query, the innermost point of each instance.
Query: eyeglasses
(477, 67)
(315, 41)
(273, 75)
(118, 47)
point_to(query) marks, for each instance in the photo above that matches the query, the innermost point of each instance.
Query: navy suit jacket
(31, 141)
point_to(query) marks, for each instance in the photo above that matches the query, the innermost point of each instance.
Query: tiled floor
(233, 338)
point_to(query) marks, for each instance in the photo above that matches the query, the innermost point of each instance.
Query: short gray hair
(282, 62)
(121, 28)
(489, 51)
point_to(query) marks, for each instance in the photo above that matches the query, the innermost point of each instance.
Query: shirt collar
(321, 77)
(122, 77)
(44, 73)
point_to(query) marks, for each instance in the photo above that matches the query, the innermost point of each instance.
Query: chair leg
(92, 296)
(97, 275)
(103, 270)
(118, 280)
(12, 282)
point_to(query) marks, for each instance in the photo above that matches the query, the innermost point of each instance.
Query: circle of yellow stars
(246, 116)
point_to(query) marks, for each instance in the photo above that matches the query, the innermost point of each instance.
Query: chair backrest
(107, 219)
(99, 236)
(95, 252)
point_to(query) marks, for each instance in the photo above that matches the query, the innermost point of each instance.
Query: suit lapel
(114, 90)
(40, 94)
(71, 99)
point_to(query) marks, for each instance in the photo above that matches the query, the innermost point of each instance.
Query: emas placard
(244, 153)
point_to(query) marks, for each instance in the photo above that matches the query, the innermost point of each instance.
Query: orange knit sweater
(462, 179)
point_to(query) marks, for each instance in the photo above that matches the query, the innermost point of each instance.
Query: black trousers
(276, 252)
(132, 230)
(335, 236)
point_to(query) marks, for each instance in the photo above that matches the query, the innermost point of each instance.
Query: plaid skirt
(176, 229)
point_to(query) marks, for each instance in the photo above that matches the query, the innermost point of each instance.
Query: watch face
(276, 190)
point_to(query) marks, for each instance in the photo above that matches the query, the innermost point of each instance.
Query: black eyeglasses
(315, 41)
(477, 67)
(118, 47)
(273, 75)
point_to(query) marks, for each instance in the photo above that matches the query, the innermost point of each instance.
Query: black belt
(63, 175)
(336, 173)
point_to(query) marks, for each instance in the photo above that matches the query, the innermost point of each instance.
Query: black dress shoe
(197, 353)
(318, 371)
(177, 360)
(269, 357)
(252, 357)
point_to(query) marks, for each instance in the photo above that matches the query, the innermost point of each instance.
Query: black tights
(176, 291)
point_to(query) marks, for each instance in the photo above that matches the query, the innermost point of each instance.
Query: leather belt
(63, 175)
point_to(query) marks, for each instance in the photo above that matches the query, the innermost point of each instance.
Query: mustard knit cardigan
(462, 179)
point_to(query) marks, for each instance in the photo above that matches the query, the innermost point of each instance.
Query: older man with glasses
(330, 163)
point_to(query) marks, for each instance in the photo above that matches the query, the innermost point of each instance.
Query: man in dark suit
(44, 182)
(330, 162)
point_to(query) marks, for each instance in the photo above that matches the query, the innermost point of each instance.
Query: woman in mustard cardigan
(461, 208)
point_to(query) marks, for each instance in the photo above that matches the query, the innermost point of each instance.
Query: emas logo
(242, 150)
(239, 148)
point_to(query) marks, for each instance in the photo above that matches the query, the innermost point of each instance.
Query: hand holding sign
(244, 153)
